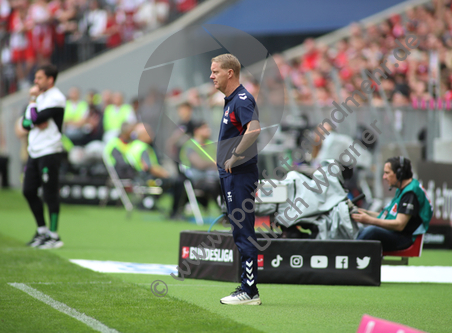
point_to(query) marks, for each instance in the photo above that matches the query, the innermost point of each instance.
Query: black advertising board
(437, 181)
(438, 237)
(86, 191)
(292, 261)
(221, 260)
(331, 262)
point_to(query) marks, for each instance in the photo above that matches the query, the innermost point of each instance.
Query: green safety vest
(113, 119)
(134, 151)
(201, 149)
(425, 207)
(77, 113)
(67, 143)
(111, 145)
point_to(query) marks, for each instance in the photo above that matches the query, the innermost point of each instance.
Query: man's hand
(34, 91)
(230, 163)
(43, 125)
(361, 217)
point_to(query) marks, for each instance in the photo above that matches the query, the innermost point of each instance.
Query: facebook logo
(341, 262)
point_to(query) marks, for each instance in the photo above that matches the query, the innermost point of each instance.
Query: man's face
(219, 76)
(74, 94)
(389, 175)
(185, 112)
(117, 99)
(42, 81)
(204, 132)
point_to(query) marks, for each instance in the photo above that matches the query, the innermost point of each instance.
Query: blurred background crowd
(68, 32)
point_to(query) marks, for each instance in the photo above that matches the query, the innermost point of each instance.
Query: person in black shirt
(183, 133)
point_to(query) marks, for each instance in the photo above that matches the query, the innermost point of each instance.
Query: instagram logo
(296, 261)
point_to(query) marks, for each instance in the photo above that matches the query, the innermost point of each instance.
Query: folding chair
(191, 194)
(121, 184)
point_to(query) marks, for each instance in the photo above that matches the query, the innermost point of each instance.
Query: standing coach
(44, 119)
(237, 166)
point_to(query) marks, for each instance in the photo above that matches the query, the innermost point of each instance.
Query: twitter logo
(362, 263)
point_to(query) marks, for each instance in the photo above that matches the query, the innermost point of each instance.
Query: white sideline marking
(91, 322)
(90, 282)
(416, 274)
(125, 267)
(403, 274)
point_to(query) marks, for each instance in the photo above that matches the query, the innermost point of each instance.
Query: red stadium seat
(414, 250)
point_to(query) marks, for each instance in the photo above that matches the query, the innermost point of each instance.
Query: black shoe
(38, 239)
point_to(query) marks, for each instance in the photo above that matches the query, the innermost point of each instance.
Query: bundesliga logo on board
(218, 255)
(185, 252)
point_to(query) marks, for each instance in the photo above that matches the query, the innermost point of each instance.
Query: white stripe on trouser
(91, 322)
(249, 272)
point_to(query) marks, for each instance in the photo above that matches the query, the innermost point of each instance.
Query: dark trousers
(237, 191)
(390, 240)
(4, 171)
(43, 171)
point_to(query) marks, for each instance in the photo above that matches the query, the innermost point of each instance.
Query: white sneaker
(51, 243)
(38, 239)
(240, 296)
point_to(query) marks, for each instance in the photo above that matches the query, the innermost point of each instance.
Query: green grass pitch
(124, 302)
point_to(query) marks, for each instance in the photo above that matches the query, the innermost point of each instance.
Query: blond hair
(228, 61)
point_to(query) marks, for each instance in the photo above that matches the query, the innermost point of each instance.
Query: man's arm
(26, 123)
(368, 212)
(397, 225)
(38, 118)
(44, 115)
(151, 166)
(252, 132)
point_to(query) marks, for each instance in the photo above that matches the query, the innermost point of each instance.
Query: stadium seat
(124, 186)
(414, 250)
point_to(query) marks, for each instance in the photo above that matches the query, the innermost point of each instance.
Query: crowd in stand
(366, 48)
(98, 117)
(66, 32)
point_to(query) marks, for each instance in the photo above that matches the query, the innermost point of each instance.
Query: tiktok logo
(277, 261)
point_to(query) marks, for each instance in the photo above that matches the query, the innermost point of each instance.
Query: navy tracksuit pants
(237, 190)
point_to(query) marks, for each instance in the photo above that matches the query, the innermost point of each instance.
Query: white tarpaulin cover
(323, 203)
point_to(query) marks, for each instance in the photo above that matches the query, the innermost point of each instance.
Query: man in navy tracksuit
(237, 165)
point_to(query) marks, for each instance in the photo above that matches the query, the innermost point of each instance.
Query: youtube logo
(319, 261)
(185, 252)
(260, 260)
